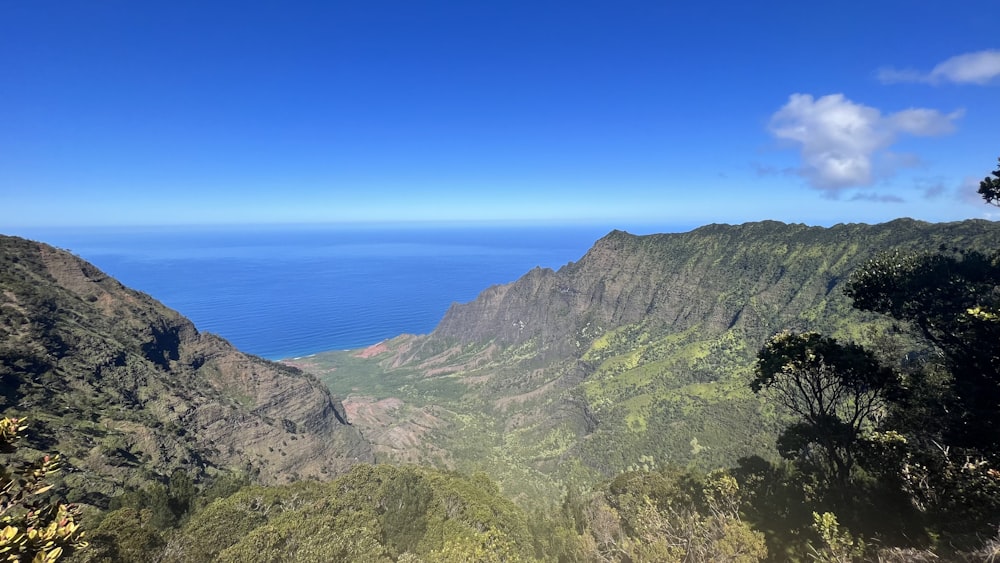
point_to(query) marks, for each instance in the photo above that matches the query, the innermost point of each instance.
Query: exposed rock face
(128, 389)
(755, 276)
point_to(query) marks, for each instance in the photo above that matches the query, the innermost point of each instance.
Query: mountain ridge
(638, 352)
(129, 390)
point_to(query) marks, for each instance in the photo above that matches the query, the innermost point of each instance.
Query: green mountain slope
(637, 355)
(374, 513)
(128, 390)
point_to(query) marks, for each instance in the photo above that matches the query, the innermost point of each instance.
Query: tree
(948, 410)
(32, 528)
(947, 407)
(669, 516)
(125, 536)
(836, 390)
(953, 301)
(989, 188)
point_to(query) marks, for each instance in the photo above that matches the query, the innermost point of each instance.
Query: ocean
(289, 291)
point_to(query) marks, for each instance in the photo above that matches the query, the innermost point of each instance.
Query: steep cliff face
(638, 353)
(756, 276)
(128, 389)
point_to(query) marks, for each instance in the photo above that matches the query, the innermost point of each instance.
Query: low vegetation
(410, 513)
(33, 526)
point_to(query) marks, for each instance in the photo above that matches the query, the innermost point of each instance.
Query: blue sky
(115, 112)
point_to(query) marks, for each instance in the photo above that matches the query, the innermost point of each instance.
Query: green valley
(737, 392)
(636, 356)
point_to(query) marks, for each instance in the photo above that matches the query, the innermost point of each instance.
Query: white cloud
(977, 68)
(924, 122)
(844, 144)
(971, 68)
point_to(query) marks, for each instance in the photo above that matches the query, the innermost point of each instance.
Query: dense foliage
(953, 300)
(946, 407)
(835, 390)
(989, 188)
(914, 428)
(33, 527)
(409, 513)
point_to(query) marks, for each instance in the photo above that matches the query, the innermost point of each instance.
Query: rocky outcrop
(129, 390)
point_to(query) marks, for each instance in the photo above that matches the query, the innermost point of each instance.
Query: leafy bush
(34, 527)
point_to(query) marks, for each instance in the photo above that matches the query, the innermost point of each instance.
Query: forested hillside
(637, 356)
(846, 377)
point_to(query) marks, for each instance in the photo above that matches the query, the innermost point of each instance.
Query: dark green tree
(989, 188)
(403, 512)
(953, 300)
(948, 408)
(125, 536)
(835, 390)
(182, 494)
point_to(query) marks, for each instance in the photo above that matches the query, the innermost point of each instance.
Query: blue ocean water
(281, 292)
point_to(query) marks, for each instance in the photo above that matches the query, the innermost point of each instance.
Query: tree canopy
(989, 188)
(835, 390)
(953, 300)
